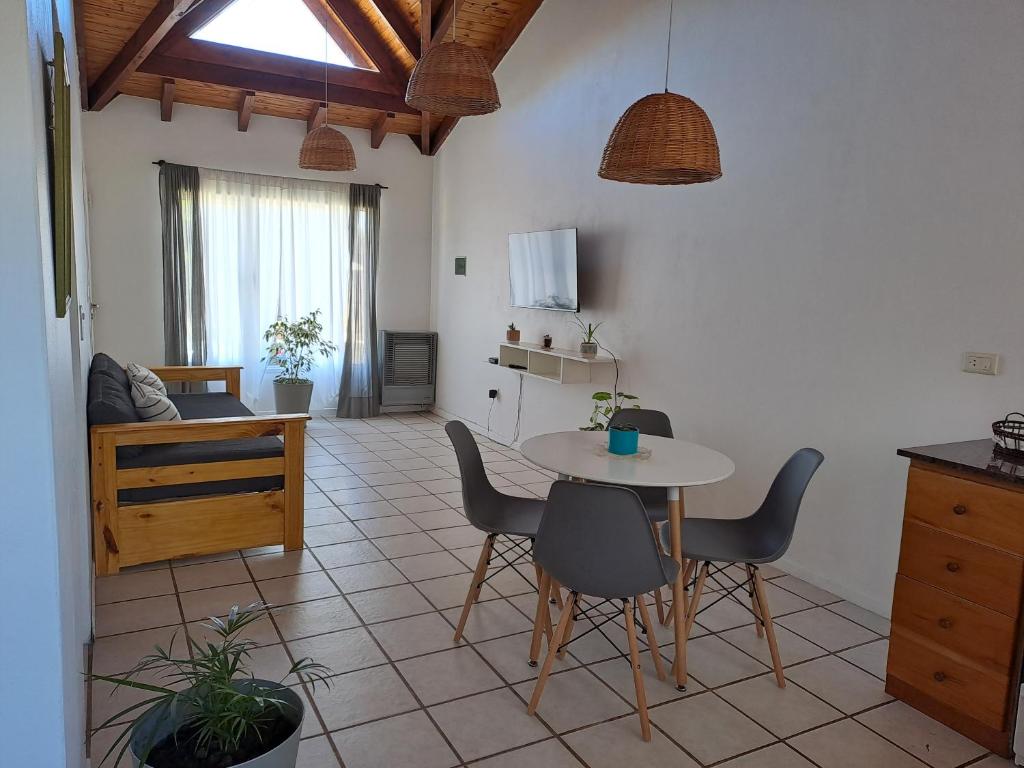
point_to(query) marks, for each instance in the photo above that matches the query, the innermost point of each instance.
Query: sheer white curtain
(273, 247)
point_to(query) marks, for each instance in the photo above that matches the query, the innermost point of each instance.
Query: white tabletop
(672, 463)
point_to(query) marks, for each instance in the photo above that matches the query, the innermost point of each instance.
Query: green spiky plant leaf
(294, 346)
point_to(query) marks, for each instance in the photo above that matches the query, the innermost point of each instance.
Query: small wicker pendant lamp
(324, 148)
(663, 138)
(454, 80)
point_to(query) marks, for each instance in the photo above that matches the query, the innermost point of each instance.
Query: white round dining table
(661, 463)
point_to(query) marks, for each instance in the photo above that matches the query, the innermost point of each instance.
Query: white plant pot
(292, 397)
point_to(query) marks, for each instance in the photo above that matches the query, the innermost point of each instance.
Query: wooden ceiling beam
(401, 25)
(367, 35)
(166, 99)
(339, 34)
(441, 19)
(426, 37)
(78, 10)
(199, 14)
(379, 129)
(245, 110)
(284, 85)
(149, 34)
(317, 116)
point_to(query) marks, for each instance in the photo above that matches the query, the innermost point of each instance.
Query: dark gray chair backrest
(647, 421)
(775, 520)
(481, 501)
(596, 539)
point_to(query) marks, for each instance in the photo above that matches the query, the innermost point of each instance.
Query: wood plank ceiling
(143, 48)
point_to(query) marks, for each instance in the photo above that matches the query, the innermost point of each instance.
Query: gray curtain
(184, 286)
(359, 395)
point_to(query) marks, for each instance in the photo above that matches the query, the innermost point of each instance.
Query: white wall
(125, 138)
(44, 572)
(866, 233)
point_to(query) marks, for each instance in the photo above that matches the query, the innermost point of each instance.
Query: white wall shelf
(560, 366)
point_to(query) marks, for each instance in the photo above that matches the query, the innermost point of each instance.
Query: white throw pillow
(153, 406)
(146, 377)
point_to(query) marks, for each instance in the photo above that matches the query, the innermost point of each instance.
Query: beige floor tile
(619, 743)
(782, 601)
(216, 574)
(923, 737)
(133, 615)
(546, 754)
(442, 518)
(862, 616)
(217, 601)
(339, 483)
(348, 553)
(783, 711)
(119, 653)
(829, 630)
(805, 590)
(427, 473)
(317, 500)
(993, 761)
(393, 525)
(708, 728)
(401, 490)
(724, 614)
(389, 603)
(404, 741)
(333, 533)
(260, 631)
(278, 564)
(594, 647)
(775, 756)
(316, 753)
(510, 657)
(848, 744)
(358, 697)
(429, 566)
(840, 683)
(461, 536)
(619, 675)
(518, 581)
(344, 651)
(392, 477)
(714, 662)
(491, 619)
(353, 496)
(406, 464)
(109, 701)
(369, 510)
(792, 648)
(450, 591)
(101, 742)
(488, 723)
(447, 675)
(406, 544)
(271, 662)
(871, 657)
(131, 586)
(354, 578)
(414, 636)
(314, 618)
(323, 515)
(416, 504)
(446, 485)
(299, 588)
(575, 699)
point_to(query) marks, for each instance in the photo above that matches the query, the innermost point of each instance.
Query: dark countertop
(977, 456)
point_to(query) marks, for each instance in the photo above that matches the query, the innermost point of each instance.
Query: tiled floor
(377, 591)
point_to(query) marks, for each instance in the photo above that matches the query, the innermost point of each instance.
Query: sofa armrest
(229, 374)
(195, 430)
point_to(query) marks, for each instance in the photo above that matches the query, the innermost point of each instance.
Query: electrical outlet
(492, 393)
(981, 362)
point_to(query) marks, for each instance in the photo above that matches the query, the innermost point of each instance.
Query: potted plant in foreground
(512, 334)
(292, 347)
(207, 710)
(607, 405)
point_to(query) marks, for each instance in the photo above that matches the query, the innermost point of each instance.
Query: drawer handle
(939, 677)
(952, 567)
(959, 509)
(945, 623)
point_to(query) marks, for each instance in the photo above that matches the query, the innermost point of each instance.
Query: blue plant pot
(624, 440)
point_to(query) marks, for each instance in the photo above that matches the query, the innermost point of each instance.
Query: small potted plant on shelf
(547, 341)
(512, 334)
(588, 346)
(207, 710)
(293, 347)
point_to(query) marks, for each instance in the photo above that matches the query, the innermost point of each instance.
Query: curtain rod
(161, 162)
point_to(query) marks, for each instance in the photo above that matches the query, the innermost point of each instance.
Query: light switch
(981, 362)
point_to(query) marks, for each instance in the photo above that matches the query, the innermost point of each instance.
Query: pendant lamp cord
(668, 53)
(326, 49)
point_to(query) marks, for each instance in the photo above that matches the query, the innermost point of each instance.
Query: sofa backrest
(110, 398)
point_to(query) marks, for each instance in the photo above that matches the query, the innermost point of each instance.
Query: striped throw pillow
(151, 405)
(143, 375)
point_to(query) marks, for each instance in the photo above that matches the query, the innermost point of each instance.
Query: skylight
(285, 27)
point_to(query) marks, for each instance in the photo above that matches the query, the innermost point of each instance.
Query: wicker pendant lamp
(663, 138)
(454, 80)
(324, 148)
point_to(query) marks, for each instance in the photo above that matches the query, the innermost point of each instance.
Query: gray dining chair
(596, 540)
(761, 538)
(658, 424)
(512, 518)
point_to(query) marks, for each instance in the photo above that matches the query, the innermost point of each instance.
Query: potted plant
(607, 405)
(547, 341)
(207, 710)
(588, 347)
(292, 347)
(512, 334)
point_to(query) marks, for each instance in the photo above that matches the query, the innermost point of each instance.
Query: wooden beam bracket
(379, 129)
(166, 99)
(317, 117)
(245, 110)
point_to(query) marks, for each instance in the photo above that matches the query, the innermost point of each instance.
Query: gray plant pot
(588, 349)
(159, 722)
(292, 398)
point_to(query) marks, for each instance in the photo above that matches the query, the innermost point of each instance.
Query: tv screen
(542, 270)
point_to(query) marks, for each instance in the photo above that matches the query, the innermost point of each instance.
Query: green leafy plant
(589, 330)
(607, 405)
(293, 346)
(217, 716)
(511, 326)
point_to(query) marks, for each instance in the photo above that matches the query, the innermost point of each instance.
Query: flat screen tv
(542, 270)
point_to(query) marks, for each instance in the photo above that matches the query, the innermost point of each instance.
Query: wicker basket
(325, 149)
(664, 138)
(454, 80)
(1008, 434)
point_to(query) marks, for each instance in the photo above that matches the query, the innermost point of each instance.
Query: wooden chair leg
(698, 590)
(638, 676)
(753, 601)
(556, 588)
(658, 600)
(539, 625)
(474, 586)
(769, 627)
(688, 566)
(652, 641)
(567, 635)
(549, 660)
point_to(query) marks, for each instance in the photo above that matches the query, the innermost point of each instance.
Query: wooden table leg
(675, 519)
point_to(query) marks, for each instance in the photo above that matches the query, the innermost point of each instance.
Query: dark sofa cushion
(108, 366)
(108, 402)
(209, 405)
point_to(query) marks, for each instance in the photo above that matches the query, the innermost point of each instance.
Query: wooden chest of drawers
(955, 649)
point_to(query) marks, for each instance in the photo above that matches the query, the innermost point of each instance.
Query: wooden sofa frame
(136, 533)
